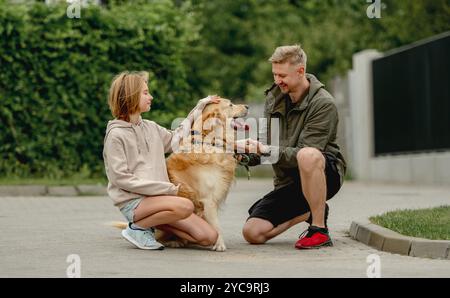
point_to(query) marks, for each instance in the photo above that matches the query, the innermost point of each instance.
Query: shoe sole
(127, 237)
(328, 243)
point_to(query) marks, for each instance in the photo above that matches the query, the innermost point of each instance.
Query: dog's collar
(212, 144)
(195, 142)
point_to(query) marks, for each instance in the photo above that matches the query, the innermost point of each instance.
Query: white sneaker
(143, 239)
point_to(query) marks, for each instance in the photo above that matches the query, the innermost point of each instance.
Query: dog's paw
(220, 245)
(174, 244)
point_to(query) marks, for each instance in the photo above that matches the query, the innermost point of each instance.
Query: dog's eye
(231, 104)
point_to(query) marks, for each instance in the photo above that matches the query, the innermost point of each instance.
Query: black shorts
(287, 202)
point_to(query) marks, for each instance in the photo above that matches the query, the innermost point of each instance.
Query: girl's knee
(184, 207)
(208, 238)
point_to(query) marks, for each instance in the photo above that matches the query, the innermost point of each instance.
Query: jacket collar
(275, 98)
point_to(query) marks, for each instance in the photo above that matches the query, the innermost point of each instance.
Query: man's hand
(244, 146)
(250, 146)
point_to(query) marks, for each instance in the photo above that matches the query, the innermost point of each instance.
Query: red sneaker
(315, 238)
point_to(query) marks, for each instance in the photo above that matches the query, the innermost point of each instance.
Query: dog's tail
(119, 224)
(159, 234)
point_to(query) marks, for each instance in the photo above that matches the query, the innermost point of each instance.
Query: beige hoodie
(134, 156)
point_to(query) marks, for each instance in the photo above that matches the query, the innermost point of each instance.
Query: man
(310, 168)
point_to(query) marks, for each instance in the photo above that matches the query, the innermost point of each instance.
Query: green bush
(238, 36)
(56, 72)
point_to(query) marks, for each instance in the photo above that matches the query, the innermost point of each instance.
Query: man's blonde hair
(125, 93)
(293, 54)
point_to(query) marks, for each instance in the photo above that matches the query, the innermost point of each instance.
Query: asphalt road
(53, 236)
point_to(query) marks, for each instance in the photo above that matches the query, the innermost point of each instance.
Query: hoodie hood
(116, 123)
(314, 85)
(139, 133)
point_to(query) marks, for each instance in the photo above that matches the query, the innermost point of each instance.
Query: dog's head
(218, 123)
(217, 114)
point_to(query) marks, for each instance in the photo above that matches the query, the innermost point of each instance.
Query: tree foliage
(56, 71)
(238, 37)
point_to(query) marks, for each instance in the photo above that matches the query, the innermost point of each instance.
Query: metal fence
(411, 92)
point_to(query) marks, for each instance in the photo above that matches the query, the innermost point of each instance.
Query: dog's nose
(246, 106)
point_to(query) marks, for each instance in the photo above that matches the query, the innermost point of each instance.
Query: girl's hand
(251, 146)
(210, 99)
(246, 146)
(214, 99)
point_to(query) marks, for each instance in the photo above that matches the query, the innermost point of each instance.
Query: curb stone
(91, 190)
(42, 190)
(21, 190)
(430, 248)
(389, 241)
(62, 191)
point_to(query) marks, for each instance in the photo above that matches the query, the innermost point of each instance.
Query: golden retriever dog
(204, 165)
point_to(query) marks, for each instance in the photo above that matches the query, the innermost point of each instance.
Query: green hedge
(56, 73)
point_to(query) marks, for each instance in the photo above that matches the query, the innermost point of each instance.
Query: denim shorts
(128, 209)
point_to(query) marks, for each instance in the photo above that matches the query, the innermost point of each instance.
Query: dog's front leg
(211, 216)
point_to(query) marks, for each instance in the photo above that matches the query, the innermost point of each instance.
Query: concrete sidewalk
(39, 233)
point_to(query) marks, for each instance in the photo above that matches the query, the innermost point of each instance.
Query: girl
(138, 182)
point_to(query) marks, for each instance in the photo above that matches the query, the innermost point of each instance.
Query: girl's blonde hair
(125, 93)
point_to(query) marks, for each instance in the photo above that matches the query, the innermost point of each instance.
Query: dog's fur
(205, 175)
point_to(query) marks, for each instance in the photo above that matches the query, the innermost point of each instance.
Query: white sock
(134, 226)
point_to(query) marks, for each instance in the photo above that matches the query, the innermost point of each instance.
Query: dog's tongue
(239, 124)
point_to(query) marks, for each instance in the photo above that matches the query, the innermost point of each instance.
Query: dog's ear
(215, 117)
(199, 123)
(212, 120)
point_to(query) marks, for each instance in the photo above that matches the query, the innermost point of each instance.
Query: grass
(433, 223)
(51, 182)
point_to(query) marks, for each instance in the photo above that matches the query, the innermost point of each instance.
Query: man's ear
(301, 70)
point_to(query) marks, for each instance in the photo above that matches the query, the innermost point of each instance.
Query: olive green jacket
(310, 123)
